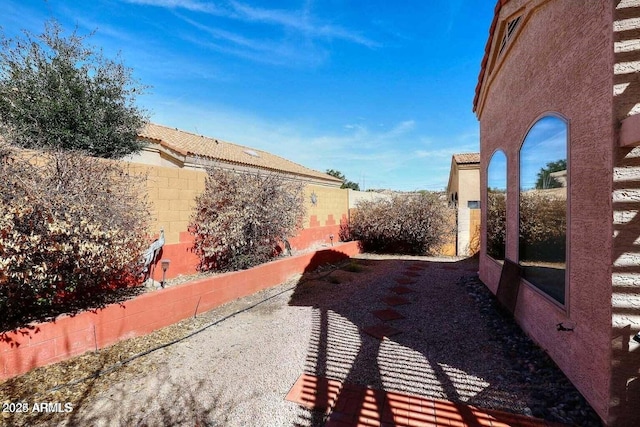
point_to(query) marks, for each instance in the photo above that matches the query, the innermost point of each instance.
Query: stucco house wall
(463, 187)
(559, 61)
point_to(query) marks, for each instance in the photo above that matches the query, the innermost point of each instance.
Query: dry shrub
(241, 218)
(417, 224)
(72, 229)
(543, 227)
(496, 224)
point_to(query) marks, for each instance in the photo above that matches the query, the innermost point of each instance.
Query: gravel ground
(243, 358)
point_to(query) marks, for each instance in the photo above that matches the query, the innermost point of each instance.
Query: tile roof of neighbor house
(187, 143)
(466, 158)
(487, 48)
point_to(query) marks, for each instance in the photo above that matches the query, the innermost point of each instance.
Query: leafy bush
(72, 229)
(240, 218)
(416, 224)
(58, 91)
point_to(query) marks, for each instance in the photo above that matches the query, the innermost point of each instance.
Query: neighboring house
(175, 162)
(463, 194)
(560, 84)
(172, 147)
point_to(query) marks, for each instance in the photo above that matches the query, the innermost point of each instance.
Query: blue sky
(380, 90)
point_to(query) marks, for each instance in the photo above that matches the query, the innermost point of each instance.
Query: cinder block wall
(172, 192)
(323, 218)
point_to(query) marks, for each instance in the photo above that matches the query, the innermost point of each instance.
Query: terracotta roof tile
(188, 143)
(466, 158)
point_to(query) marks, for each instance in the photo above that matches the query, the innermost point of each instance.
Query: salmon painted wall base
(45, 343)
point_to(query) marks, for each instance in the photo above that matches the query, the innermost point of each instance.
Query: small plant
(353, 267)
(417, 224)
(241, 218)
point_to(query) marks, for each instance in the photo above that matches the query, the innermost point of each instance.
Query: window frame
(563, 307)
(486, 204)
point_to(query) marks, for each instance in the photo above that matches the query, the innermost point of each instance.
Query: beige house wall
(468, 190)
(468, 183)
(465, 183)
(332, 204)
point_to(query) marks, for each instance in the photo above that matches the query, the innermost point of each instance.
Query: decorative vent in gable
(508, 33)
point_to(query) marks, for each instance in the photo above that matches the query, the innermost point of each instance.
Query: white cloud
(363, 153)
(260, 50)
(306, 45)
(299, 21)
(192, 5)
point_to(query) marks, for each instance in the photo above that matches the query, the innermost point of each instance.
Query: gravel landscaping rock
(241, 359)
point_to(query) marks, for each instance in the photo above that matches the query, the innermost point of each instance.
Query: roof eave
(487, 49)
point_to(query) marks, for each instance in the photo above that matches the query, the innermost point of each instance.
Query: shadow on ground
(445, 348)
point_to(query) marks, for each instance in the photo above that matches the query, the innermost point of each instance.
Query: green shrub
(417, 224)
(72, 229)
(353, 267)
(241, 218)
(56, 90)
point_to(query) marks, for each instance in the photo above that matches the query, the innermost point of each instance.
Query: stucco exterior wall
(468, 187)
(468, 184)
(560, 61)
(464, 186)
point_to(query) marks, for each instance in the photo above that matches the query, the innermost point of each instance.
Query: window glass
(543, 206)
(496, 205)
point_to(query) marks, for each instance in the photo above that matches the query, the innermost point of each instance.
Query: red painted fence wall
(45, 343)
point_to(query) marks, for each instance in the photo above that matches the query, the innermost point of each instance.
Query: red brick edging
(350, 405)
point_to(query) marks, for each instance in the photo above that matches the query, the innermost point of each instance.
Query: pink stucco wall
(560, 62)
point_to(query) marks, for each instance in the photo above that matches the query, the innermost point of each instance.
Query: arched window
(543, 207)
(496, 206)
